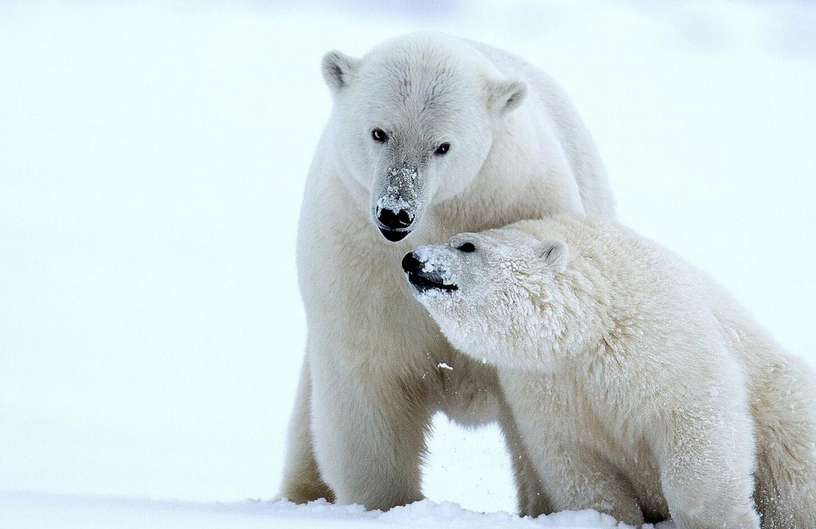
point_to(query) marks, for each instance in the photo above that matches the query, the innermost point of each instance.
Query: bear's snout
(410, 263)
(394, 225)
(423, 277)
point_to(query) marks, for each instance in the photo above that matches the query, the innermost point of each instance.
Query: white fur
(372, 378)
(639, 386)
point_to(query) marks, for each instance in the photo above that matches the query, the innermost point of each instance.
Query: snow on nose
(401, 193)
(436, 260)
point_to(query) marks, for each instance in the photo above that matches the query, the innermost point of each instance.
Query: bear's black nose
(410, 263)
(394, 220)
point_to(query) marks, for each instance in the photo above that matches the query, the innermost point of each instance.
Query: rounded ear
(505, 96)
(554, 254)
(338, 70)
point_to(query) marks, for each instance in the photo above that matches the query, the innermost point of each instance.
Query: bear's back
(569, 128)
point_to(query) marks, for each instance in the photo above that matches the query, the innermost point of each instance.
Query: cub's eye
(466, 247)
(379, 136)
(443, 149)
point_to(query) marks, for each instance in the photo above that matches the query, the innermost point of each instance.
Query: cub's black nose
(410, 263)
(423, 280)
(394, 220)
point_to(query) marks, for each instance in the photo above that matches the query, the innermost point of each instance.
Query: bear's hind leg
(786, 437)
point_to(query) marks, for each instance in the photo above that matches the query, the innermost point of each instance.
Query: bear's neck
(577, 313)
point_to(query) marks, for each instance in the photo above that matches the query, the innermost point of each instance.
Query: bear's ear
(338, 70)
(504, 97)
(554, 254)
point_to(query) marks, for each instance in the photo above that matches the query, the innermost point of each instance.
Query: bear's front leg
(302, 481)
(369, 429)
(706, 462)
(577, 480)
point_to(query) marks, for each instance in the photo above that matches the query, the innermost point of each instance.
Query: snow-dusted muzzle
(427, 273)
(398, 204)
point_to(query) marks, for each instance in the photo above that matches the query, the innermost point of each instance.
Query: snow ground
(39, 511)
(152, 158)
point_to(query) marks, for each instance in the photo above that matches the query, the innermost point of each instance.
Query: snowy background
(152, 161)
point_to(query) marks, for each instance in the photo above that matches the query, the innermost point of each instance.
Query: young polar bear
(640, 388)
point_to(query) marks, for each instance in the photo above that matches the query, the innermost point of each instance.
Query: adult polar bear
(430, 135)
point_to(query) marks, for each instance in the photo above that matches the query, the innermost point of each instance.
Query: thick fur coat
(516, 149)
(640, 388)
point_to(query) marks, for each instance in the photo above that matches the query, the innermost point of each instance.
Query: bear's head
(497, 295)
(414, 121)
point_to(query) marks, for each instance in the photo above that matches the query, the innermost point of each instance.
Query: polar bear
(639, 387)
(430, 135)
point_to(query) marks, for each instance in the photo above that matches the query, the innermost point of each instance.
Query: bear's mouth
(425, 283)
(424, 277)
(394, 235)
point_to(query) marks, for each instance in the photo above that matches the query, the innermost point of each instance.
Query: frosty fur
(370, 382)
(641, 389)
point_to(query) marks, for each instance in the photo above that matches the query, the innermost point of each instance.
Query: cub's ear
(338, 70)
(554, 254)
(504, 97)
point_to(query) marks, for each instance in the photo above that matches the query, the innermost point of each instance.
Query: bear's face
(486, 291)
(413, 125)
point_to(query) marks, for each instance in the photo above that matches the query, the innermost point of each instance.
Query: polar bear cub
(641, 389)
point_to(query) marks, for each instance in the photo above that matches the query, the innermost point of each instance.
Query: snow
(401, 192)
(152, 160)
(40, 511)
(436, 262)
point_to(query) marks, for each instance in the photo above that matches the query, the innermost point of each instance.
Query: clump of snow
(393, 201)
(443, 365)
(437, 260)
(402, 190)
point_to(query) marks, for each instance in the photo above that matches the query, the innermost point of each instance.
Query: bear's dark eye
(466, 247)
(379, 136)
(442, 149)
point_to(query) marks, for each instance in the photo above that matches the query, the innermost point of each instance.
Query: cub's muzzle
(423, 277)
